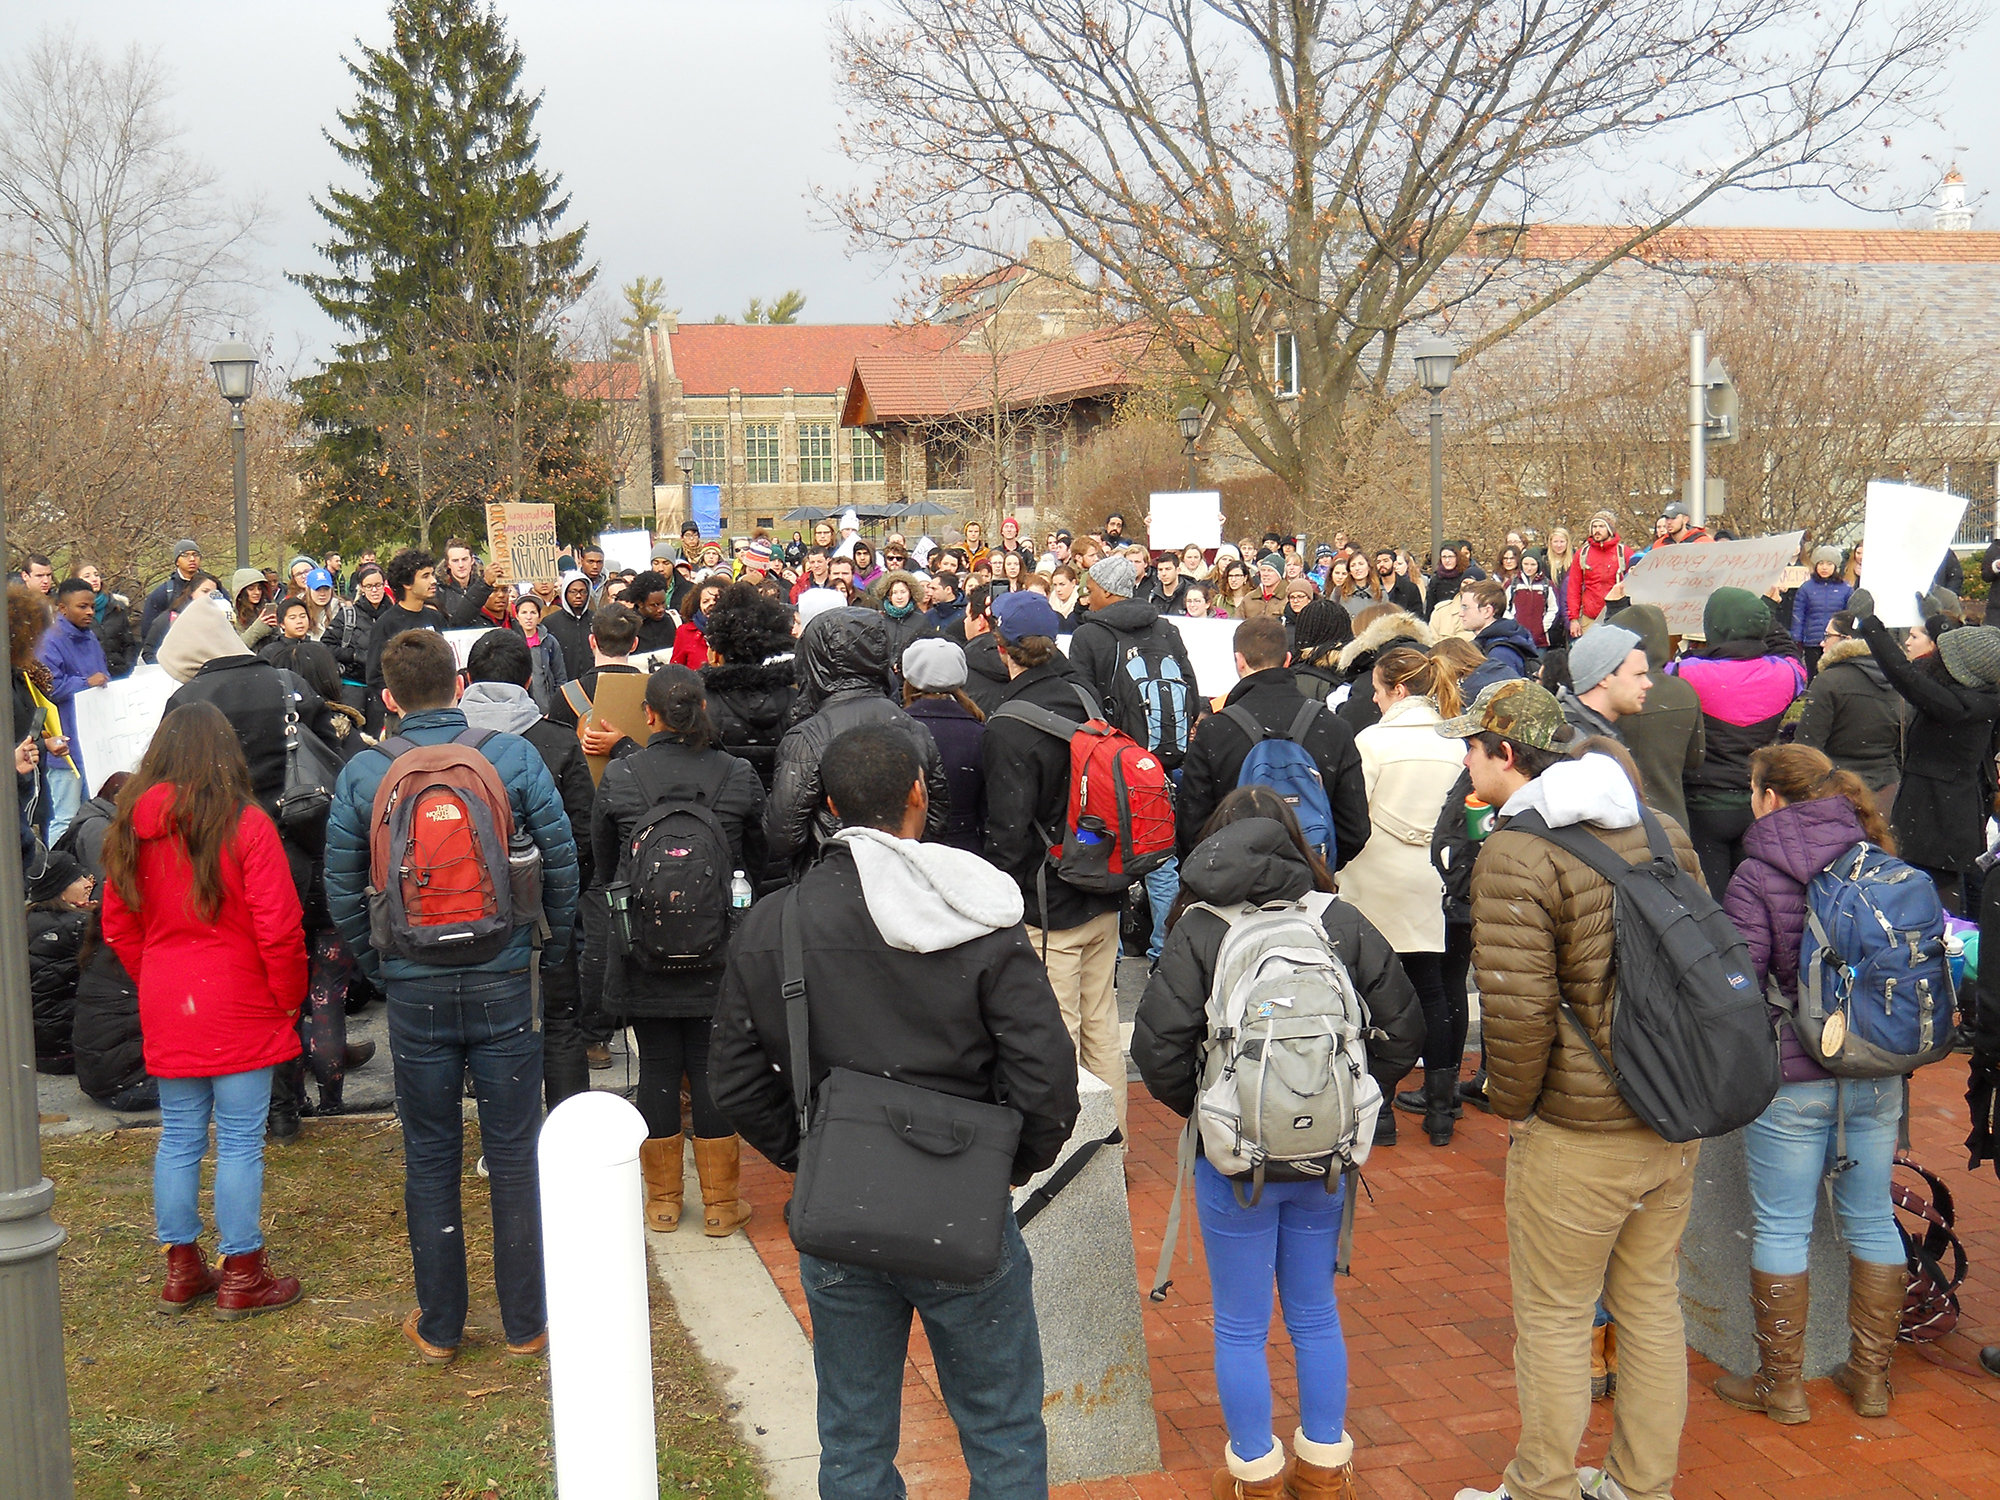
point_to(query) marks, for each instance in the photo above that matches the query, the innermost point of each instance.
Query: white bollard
(600, 1330)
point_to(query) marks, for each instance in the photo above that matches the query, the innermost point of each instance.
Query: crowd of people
(931, 797)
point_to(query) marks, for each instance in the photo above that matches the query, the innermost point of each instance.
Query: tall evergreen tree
(450, 276)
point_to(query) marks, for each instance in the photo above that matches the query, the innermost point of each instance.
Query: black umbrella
(922, 508)
(807, 513)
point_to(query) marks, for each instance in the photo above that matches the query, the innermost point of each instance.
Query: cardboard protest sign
(1184, 516)
(617, 702)
(522, 539)
(115, 723)
(1904, 533)
(626, 549)
(1680, 579)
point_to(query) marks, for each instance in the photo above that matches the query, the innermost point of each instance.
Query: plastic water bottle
(739, 891)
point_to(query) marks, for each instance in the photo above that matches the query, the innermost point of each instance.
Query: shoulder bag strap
(1302, 721)
(576, 697)
(1246, 721)
(796, 1020)
(1035, 716)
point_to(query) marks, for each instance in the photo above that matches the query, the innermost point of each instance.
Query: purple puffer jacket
(1766, 899)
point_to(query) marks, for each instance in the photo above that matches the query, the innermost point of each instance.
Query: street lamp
(685, 459)
(1189, 422)
(1435, 360)
(235, 367)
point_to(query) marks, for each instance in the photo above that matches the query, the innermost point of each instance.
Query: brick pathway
(1430, 1345)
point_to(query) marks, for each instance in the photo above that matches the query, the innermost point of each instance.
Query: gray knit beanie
(1115, 575)
(1600, 651)
(1972, 655)
(1826, 555)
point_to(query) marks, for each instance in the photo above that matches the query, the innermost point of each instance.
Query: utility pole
(1697, 490)
(34, 1396)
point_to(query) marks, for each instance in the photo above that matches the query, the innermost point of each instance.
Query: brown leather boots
(189, 1279)
(1777, 1387)
(1875, 1296)
(248, 1287)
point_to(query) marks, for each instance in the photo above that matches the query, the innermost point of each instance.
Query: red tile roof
(712, 359)
(910, 386)
(1800, 246)
(600, 380)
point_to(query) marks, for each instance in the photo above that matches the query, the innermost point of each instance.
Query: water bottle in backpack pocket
(1282, 763)
(1153, 700)
(1876, 998)
(671, 899)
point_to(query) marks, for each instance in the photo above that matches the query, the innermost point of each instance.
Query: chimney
(1952, 214)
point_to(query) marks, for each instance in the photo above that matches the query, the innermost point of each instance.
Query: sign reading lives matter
(522, 539)
(1680, 579)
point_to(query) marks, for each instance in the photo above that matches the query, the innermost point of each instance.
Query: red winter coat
(690, 646)
(214, 997)
(1593, 573)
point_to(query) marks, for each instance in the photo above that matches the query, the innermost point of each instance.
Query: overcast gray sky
(687, 131)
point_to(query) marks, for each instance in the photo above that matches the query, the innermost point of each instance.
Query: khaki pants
(1082, 965)
(1590, 1214)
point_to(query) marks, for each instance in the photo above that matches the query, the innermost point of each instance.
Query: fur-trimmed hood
(1845, 649)
(1400, 626)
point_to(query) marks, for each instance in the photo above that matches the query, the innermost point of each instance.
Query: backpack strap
(1246, 721)
(1302, 721)
(575, 696)
(1606, 861)
(396, 745)
(796, 1019)
(1036, 717)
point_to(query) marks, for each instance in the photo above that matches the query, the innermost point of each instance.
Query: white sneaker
(480, 1167)
(1598, 1485)
(1498, 1492)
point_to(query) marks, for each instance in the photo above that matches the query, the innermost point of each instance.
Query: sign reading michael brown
(1680, 579)
(522, 539)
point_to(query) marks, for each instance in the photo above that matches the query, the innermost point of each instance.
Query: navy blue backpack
(1282, 763)
(1875, 992)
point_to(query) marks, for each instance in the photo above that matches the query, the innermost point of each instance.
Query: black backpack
(670, 901)
(1693, 1050)
(1151, 700)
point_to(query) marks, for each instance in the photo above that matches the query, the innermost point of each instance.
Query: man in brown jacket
(1596, 1202)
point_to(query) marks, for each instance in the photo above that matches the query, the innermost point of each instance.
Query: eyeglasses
(1299, 598)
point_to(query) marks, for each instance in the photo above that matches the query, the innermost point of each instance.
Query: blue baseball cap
(1021, 613)
(319, 578)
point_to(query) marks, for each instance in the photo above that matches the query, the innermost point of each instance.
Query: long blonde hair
(1427, 676)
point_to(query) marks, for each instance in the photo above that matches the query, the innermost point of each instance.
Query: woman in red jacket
(691, 640)
(199, 906)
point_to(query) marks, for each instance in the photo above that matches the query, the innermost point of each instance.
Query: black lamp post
(685, 461)
(1189, 422)
(1435, 360)
(235, 367)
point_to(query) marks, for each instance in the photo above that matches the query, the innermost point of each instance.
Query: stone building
(624, 437)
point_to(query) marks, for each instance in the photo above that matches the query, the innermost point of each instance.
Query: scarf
(899, 611)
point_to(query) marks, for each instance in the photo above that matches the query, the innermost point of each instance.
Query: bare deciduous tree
(119, 227)
(1229, 167)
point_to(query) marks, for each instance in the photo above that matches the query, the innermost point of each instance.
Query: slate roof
(914, 386)
(712, 359)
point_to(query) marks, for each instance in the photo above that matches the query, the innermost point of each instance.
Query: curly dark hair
(746, 627)
(28, 620)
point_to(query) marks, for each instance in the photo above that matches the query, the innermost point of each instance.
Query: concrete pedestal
(1715, 1269)
(1099, 1388)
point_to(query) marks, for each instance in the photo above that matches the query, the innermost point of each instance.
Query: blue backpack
(1282, 763)
(1875, 990)
(1153, 702)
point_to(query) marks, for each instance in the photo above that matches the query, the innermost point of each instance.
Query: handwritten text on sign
(1680, 579)
(522, 539)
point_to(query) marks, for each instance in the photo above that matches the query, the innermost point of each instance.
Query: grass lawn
(323, 1398)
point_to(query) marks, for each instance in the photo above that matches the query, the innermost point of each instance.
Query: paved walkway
(1430, 1341)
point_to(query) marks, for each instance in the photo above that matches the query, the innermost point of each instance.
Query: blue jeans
(1289, 1238)
(438, 1028)
(1792, 1146)
(989, 1366)
(65, 797)
(1162, 885)
(238, 1103)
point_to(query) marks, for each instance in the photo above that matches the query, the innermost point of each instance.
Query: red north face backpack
(1119, 826)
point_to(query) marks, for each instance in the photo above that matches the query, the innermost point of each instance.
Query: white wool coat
(1409, 770)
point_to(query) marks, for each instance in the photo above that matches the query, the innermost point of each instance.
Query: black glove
(1982, 1093)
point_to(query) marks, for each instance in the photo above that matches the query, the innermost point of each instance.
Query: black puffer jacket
(844, 683)
(110, 1050)
(749, 707)
(55, 934)
(1255, 860)
(730, 789)
(113, 628)
(1854, 716)
(1940, 814)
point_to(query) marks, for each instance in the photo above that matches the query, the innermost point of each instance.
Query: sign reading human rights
(522, 539)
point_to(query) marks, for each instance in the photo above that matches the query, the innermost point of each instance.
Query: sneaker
(480, 1167)
(1598, 1485)
(1498, 1492)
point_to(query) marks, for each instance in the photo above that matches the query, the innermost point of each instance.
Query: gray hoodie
(501, 706)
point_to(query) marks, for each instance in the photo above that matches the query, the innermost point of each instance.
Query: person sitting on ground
(1251, 850)
(917, 968)
(59, 909)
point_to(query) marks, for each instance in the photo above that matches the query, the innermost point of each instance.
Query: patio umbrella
(808, 513)
(921, 508)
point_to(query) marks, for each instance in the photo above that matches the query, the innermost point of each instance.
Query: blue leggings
(1289, 1238)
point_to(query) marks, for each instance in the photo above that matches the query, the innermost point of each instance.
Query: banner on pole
(706, 503)
(1680, 579)
(1181, 517)
(115, 723)
(522, 539)
(1904, 533)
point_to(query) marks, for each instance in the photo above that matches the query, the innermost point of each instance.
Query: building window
(710, 441)
(944, 464)
(767, 522)
(866, 451)
(1285, 365)
(761, 461)
(815, 453)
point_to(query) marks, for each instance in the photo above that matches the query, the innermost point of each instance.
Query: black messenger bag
(892, 1177)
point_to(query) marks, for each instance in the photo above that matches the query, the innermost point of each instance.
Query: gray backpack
(1284, 1073)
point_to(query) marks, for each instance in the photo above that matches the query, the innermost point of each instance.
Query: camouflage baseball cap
(1517, 710)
